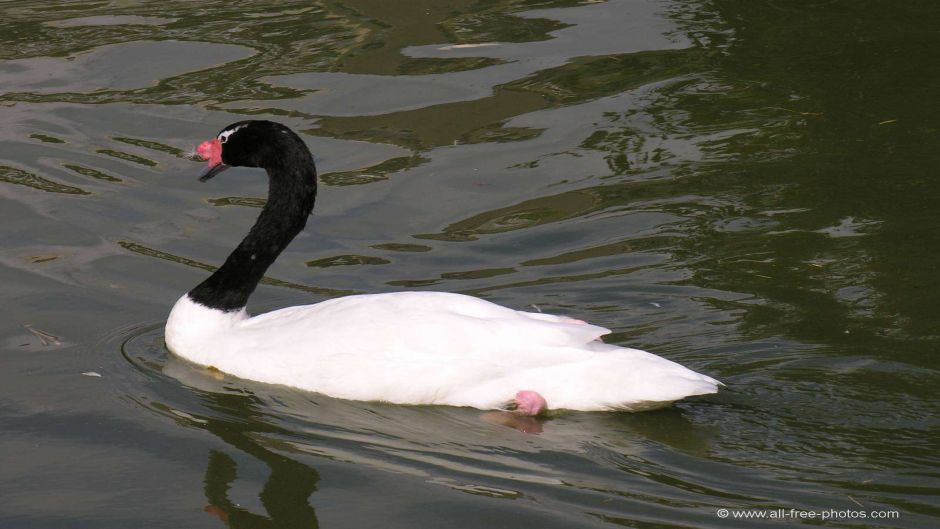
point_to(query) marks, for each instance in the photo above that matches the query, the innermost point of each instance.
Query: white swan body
(406, 347)
(430, 348)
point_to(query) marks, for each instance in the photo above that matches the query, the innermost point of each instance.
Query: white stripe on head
(223, 136)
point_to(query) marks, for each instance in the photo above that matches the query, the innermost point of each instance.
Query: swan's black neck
(292, 190)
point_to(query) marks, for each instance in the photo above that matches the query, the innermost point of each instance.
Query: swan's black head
(292, 192)
(253, 143)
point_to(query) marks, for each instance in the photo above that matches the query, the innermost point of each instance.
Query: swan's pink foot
(529, 403)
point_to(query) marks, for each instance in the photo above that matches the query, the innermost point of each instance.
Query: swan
(401, 347)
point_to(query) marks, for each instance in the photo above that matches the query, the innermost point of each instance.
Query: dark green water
(746, 187)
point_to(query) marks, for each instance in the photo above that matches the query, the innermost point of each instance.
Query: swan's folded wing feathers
(422, 322)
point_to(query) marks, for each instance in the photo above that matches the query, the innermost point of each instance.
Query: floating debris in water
(91, 374)
(850, 227)
(44, 337)
(184, 415)
(465, 46)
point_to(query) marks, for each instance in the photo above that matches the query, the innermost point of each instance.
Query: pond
(747, 187)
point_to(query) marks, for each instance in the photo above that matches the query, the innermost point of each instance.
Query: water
(746, 187)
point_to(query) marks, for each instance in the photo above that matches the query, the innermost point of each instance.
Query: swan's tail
(603, 379)
(621, 379)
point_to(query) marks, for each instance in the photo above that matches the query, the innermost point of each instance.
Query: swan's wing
(434, 323)
(429, 347)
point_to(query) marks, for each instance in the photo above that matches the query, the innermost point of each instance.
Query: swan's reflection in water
(286, 492)
(197, 398)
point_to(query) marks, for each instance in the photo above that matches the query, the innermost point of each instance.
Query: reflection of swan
(287, 489)
(405, 347)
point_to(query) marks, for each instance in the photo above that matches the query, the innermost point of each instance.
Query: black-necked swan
(401, 347)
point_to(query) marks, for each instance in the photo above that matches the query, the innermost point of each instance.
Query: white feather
(430, 348)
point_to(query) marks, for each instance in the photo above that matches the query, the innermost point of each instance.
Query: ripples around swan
(561, 465)
(573, 469)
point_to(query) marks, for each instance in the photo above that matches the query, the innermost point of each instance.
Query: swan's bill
(212, 171)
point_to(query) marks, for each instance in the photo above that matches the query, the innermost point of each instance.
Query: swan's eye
(223, 136)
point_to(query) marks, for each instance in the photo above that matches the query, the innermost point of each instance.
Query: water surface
(745, 187)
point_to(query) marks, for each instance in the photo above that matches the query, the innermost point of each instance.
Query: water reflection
(482, 120)
(12, 175)
(237, 420)
(117, 67)
(94, 173)
(820, 151)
